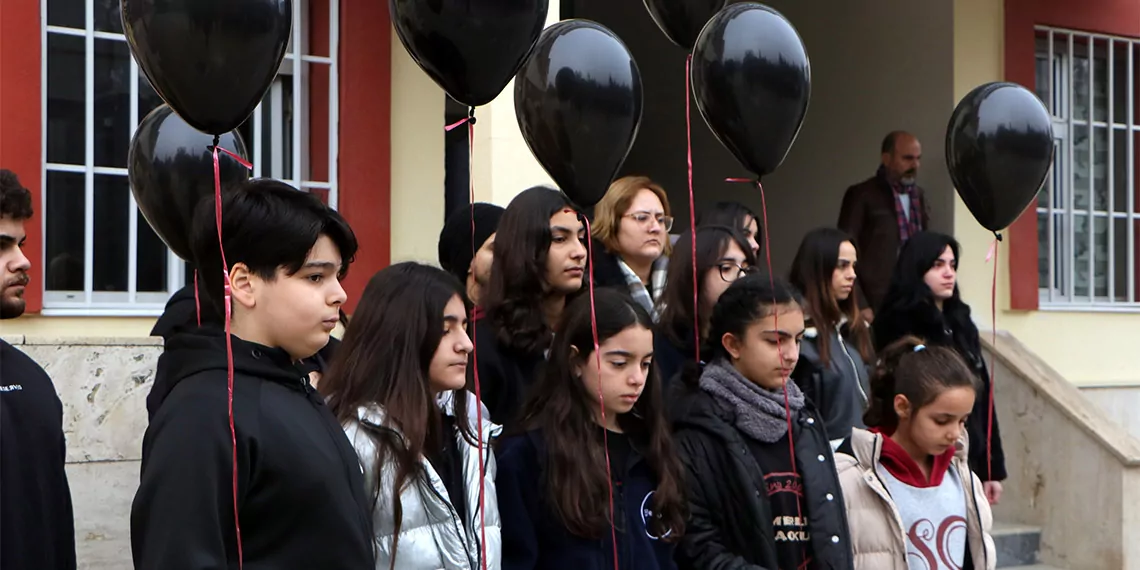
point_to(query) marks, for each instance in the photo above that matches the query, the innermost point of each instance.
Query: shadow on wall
(875, 68)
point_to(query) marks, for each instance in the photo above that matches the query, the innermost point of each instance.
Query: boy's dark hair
(15, 200)
(267, 225)
(920, 375)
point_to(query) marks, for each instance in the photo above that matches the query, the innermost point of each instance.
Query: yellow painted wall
(1087, 348)
(504, 165)
(78, 326)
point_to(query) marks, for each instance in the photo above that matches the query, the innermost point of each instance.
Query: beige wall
(78, 326)
(1087, 348)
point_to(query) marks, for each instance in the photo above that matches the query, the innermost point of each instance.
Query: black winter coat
(730, 527)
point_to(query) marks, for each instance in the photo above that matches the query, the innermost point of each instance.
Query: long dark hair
(384, 360)
(562, 407)
(909, 300)
(920, 375)
(677, 318)
(746, 301)
(518, 271)
(812, 272)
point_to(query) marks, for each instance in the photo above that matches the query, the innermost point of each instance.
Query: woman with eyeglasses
(723, 256)
(631, 239)
(832, 369)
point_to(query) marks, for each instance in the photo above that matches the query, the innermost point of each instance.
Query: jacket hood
(866, 449)
(203, 351)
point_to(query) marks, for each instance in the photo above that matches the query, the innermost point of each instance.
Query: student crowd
(501, 413)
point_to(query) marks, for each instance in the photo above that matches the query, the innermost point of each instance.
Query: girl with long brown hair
(832, 370)
(397, 386)
(555, 492)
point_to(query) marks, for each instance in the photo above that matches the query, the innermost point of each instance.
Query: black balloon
(210, 60)
(578, 101)
(682, 20)
(752, 82)
(171, 168)
(999, 148)
(471, 48)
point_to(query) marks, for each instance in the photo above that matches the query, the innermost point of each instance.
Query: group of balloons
(578, 94)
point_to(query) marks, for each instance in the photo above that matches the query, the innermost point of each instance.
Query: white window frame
(1061, 291)
(132, 302)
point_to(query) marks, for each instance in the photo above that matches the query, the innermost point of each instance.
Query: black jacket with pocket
(731, 523)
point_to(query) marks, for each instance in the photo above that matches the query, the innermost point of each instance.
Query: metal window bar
(1061, 188)
(115, 303)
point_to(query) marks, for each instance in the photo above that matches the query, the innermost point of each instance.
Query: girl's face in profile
(448, 369)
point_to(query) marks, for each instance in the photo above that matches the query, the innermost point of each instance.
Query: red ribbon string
(197, 303)
(692, 210)
(775, 319)
(229, 337)
(470, 120)
(601, 398)
(995, 248)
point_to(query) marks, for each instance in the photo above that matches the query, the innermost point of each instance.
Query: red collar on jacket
(900, 464)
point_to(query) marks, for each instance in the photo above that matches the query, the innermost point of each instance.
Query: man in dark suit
(882, 212)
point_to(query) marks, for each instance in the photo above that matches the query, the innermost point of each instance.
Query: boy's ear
(243, 285)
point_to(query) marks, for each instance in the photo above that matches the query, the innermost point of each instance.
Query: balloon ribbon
(775, 321)
(692, 210)
(470, 122)
(601, 398)
(995, 247)
(229, 338)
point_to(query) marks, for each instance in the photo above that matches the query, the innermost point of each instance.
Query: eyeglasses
(666, 222)
(731, 271)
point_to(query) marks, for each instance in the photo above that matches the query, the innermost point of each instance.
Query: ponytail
(917, 371)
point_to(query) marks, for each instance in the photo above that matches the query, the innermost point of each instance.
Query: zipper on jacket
(480, 510)
(854, 368)
(457, 523)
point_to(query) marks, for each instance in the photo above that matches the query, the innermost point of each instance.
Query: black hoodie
(300, 489)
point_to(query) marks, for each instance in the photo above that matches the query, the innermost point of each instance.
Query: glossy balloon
(471, 48)
(752, 82)
(999, 148)
(578, 102)
(682, 20)
(211, 60)
(171, 169)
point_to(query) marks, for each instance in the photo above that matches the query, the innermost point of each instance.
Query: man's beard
(11, 307)
(909, 178)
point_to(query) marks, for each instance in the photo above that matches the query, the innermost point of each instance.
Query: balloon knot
(997, 236)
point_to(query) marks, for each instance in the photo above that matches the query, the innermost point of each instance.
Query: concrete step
(1032, 567)
(1017, 546)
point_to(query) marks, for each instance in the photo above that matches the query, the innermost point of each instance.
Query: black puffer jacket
(730, 527)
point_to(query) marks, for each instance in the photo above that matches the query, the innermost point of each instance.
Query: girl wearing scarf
(762, 487)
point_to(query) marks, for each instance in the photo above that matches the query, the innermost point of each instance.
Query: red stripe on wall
(364, 158)
(21, 139)
(1116, 17)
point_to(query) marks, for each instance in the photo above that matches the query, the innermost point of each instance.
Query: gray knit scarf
(760, 413)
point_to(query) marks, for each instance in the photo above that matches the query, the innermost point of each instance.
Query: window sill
(1089, 308)
(101, 312)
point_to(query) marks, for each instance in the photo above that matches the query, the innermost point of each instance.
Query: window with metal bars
(100, 256)
(1088, 213)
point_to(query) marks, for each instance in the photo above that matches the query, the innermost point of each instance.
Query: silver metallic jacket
(431, 535)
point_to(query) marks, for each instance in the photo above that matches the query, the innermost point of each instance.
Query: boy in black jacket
(35, 500)
(299, 493)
